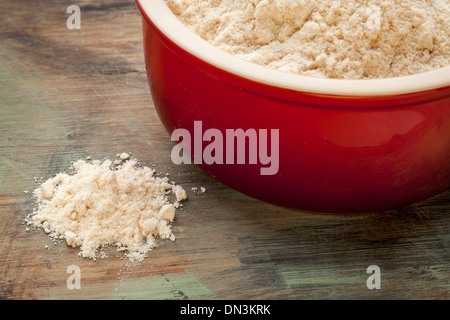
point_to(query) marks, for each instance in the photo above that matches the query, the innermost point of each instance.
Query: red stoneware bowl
(344, 145)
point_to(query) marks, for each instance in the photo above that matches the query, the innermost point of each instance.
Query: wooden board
(68, 94)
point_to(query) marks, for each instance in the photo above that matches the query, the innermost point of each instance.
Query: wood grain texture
(68, 94)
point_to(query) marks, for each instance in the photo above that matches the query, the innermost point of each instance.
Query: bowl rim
(159, 14)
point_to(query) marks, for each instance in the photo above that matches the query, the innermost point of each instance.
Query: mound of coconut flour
(357, 39)
(105, 204)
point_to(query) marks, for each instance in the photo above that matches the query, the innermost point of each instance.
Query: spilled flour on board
(103, 203)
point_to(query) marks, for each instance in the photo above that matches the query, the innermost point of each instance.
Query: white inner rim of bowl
(163, 18)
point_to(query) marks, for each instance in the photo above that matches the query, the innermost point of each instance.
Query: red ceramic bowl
(344, 145)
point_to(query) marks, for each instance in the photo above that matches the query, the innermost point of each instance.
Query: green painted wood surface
(68, 94)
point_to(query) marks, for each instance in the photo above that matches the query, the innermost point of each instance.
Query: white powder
(125, 206)
(124, 156)
(351, 39)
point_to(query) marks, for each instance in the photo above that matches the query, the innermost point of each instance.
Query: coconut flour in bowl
(365, 39)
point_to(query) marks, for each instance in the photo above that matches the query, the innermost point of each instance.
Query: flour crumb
(203, 190)
(124, 156)
(180, 193)
(99, 205)
(326, 38)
